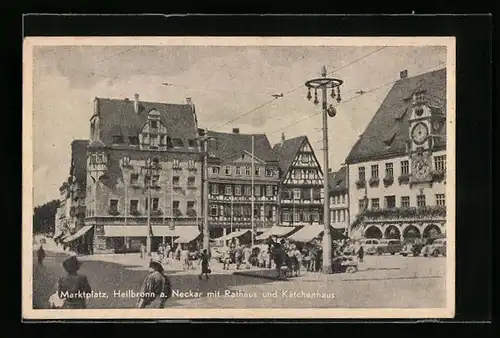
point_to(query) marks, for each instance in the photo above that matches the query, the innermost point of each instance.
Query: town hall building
(397, 168)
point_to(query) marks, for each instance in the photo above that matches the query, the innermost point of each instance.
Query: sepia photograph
(238, 177)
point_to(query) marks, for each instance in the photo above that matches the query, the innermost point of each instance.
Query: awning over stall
(276, 231)
(309, 232)
(186, 234)
(234, 234)
(186, 231)
(78, 234)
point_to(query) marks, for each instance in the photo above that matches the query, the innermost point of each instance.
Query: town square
(242, 176)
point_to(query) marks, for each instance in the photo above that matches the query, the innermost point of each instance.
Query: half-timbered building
(301, 186)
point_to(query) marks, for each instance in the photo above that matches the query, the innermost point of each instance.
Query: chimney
(403, 74)
(282, 137)
(188, 100)
(236, 130)
(136, 103)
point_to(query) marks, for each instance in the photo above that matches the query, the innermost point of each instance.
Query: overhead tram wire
(351, 99)
(299, 87)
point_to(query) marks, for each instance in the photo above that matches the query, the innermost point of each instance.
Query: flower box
(191, 213)
(113, 212)
(360, 184)
(156, 212)
(404, 179)
(438, 175)
(374, 181)
(388, 180)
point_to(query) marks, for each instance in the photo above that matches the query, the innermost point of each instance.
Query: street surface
(381, 282)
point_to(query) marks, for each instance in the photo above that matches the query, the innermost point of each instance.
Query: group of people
(238, 254)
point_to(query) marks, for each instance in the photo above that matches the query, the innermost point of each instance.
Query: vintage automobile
(389, 246)
(370, 245)
(438, 247)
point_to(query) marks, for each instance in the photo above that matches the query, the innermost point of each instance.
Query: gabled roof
(228, 145)
(118, 117)
(337, 181)
(79, 160)
(287, 150)
(387, 133)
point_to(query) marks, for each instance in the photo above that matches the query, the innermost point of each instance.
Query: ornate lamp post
(151, 168)
(324, 83)
(204, 138)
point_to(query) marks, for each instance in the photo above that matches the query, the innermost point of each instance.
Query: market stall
(277, 231)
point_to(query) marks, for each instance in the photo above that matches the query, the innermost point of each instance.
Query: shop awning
(78, 234)
(309, 232)
(188, 235)
(125, 231)
(276, 231)
(340, 226)
(234, 234)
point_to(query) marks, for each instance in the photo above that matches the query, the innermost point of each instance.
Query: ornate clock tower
(420, 151)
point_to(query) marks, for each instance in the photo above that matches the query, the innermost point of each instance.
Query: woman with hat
(156, 285)
(73, 287)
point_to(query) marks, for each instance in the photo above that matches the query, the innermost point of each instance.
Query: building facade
(233, 166)
(301, 183)
(143, 160)
(339, 199)
(397, 169)
(63, 224)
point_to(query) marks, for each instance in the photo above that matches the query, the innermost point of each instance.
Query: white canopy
(307, 233)
(78, 234)
(277, 231)
(232, 235)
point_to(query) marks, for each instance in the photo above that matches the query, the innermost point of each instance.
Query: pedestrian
(168, 250)
(161, 252)
(204, 262)
(184, 256)
(143, 250)
(73, 287)
(278, 255)
(247, 254)
(156, 285)
(226, 259)
(41, 254)
(361, 253)
(238, 253)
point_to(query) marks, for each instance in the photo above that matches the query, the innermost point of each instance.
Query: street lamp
(206, 233)
(151, 168)
(324, 83)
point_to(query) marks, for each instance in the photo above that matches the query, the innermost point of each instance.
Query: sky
(231, 87)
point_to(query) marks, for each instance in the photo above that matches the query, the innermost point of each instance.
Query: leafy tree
(44, 217)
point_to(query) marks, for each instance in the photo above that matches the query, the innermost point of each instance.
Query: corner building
(397, 168)
(128, 137)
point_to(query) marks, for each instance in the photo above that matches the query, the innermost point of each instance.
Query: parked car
(390, 246)
(438, 247)
(370, 245)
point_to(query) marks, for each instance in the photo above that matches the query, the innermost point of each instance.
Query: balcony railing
(406, 213)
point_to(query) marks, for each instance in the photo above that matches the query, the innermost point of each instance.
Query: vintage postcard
(238, 177)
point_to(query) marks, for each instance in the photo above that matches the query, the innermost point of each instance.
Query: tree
(44, 217)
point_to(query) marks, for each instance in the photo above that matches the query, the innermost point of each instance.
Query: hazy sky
(224, 82)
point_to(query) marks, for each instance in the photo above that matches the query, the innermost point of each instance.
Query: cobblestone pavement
(385, 282)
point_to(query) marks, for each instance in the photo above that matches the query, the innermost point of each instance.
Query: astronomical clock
(425, 121)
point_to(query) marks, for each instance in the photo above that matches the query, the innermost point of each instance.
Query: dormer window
(154, 125)
(118, 139)
(154, 141)
(177, 142)
(191, 143)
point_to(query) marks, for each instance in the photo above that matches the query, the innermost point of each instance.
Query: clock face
(419, 133)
